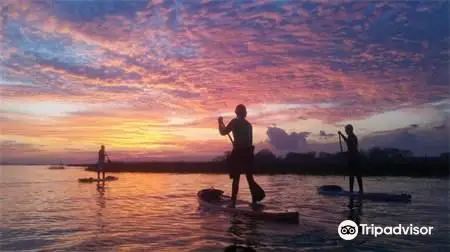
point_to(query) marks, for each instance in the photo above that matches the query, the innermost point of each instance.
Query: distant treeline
(375, 162)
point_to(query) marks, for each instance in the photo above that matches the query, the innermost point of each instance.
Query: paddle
(231, 139)
(340, 145)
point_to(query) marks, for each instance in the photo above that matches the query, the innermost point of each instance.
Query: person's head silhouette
(348, 129)
(241, 111)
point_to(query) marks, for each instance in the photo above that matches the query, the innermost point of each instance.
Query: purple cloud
(283, 141)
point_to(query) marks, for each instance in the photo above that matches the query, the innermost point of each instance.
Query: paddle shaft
(231, 139)
(340, 145)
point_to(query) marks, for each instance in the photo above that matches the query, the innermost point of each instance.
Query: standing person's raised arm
(225, 129)
(342, 135)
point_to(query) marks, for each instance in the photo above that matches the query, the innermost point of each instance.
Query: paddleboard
(91, 179)
(56, 168)
(334, 190)
(215, 199)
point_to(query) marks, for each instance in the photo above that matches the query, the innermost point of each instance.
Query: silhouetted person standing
(101, 162)
(241, 157)
(353, 157)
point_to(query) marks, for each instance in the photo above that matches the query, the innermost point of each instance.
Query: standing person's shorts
(240, 161)
(354, 168)
(100, 166)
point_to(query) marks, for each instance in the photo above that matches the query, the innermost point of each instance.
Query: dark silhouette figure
(242, 155)
(353, 157)
(101, 162)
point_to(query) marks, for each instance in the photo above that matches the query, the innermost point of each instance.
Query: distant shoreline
(375, 162)
(423, 167)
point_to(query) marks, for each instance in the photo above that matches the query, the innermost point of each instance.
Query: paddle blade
(257, 191)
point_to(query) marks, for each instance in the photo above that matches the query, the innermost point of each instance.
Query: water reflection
(102, 204)
(101, 187)
(101, 197)
(355, 210)
(244, 231)
(355, 206)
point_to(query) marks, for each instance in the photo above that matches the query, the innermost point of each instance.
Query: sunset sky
(148, 79)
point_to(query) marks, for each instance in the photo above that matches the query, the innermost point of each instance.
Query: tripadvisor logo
(348, 230)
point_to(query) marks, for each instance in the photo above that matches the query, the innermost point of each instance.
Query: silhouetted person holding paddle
(353, 157)
(241, 157)
(101, 162)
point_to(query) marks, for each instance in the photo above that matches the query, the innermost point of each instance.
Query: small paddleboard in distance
(215, 199)
(335, 190)
(91, 179)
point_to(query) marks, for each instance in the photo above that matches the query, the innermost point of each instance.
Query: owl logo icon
(348, 230)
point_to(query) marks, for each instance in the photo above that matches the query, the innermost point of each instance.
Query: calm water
(48, 210)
